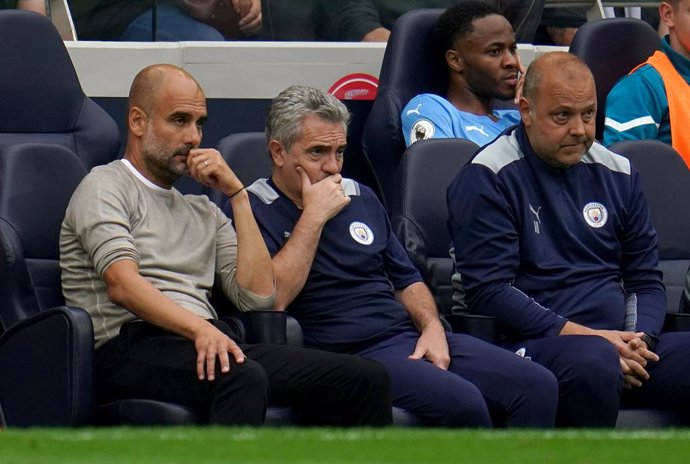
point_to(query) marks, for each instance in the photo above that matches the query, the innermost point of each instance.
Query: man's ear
(666, 14)
(138, 121)
(525, 111)
(278, 152)
(454, 61)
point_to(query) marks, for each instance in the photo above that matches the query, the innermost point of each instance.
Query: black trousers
(144, 361)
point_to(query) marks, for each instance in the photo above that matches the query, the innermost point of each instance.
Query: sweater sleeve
(226, 267)
(102, 227)
(485, 235)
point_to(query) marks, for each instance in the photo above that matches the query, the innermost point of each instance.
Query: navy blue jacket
(537, 246)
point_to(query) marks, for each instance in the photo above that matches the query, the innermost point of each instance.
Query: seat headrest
(412, 64)
(36, 184)
(37, 78)
(666, 183)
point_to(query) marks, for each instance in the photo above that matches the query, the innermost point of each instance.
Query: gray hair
(292, 105)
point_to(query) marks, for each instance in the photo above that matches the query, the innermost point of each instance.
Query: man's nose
(577, 127)
(331, 164)
(193, 135)
(510, 60)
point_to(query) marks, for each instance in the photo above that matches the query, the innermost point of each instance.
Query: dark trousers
(668, 386)
(591, 381)
(144, 361)
(589, 376)
(484, 385)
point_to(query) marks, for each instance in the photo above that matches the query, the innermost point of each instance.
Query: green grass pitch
(208, 445)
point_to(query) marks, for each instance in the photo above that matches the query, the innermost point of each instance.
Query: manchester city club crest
(361, 233)
(422, 129)
(595, 214)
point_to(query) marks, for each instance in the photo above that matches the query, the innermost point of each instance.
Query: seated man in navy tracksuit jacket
(553, 237)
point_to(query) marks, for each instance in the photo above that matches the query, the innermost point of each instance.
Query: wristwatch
(649, 340)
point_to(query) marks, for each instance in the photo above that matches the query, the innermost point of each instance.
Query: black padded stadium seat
(611, 48)
(411, 65)
(420, 215)
(41, 97)
(666, 183)
(46, 348)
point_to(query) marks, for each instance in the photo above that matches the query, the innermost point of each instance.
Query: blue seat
(411, 65)
(247, 156)
(666, 183)
(420, 212)
(41, 96)
(611, 48)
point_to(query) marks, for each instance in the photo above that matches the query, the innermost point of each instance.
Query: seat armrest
(272, 326)
(477, 325)
(294, 334)
(236, 326)
(677, 322)
(46, 363)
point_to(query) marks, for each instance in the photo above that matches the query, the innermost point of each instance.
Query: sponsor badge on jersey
(361, 233)
(422, 129)
(595, 214)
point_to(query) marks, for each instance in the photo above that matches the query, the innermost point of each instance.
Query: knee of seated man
(450, 400)
(595, 360)
(465, 408)
(535, 381)
(249, 375)
(371, 374)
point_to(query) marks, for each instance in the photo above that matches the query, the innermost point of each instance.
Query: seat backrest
(36, 184)
(247, 155)
(612, 48)
(41, 97)
(411, 65)
(419, 219)
(666, 183)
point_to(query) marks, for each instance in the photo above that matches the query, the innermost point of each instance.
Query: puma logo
(537, 221)
(416, 110)
(536, 213)
(478, 129)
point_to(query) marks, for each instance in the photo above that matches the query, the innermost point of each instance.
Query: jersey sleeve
(424, 117)
(635, 107)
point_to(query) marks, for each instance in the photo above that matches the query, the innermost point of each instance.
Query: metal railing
(595, 8)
